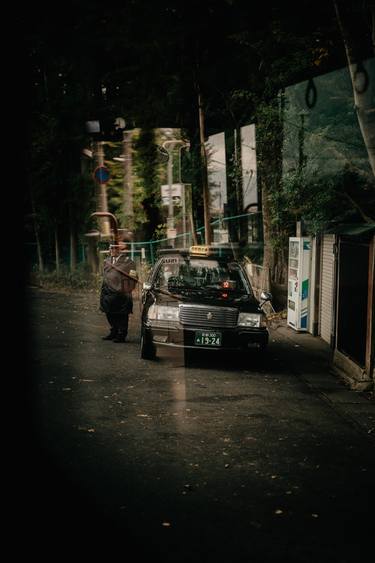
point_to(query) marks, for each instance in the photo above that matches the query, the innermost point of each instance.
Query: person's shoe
(119, 338)
(110, 336)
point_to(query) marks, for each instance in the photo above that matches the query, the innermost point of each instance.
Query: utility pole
(101, 193)
(170, 220)
(301, 142)
(206, 195)
(169, 146)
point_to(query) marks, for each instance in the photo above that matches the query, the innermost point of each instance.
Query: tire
(188, 355)
(263, 347)
(148, 351)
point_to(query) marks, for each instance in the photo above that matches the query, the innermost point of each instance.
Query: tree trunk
(36, 233)
(232, 201)
(73, 249)
(192, 228)
(101, 190)
(92, 255)
(57, 251)
(363, 93)
(269, 150)
(243, 221)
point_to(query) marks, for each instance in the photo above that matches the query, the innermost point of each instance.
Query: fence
(146, 251)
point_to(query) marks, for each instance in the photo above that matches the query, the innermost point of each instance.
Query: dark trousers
(118, 322)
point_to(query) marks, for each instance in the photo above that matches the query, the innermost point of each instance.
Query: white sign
(176, 194)
(171, 233)
(221, 235)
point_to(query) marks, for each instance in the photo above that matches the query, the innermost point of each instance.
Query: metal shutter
(326, 285)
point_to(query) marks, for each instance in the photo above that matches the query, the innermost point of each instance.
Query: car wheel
(263, 347)
(148, 351)
(187, 356)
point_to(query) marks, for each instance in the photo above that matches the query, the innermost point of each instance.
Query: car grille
(224, 317)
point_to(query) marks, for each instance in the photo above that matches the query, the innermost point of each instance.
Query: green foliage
(160, 232)
(65, 280)
(311, 200)
(115, 186)
(323, 201)
(60, 195)
(149, 177)
(327, 178)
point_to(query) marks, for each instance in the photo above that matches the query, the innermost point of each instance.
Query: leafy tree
(327, 176)
(130, 66)
(148, 184)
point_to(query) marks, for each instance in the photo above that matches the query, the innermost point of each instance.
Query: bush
(79, 279)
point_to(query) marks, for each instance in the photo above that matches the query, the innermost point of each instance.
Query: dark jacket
(115, 295)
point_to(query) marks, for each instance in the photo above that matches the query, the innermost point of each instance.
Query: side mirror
(266, 296)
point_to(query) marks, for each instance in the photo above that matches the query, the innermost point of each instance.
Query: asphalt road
(228, 459)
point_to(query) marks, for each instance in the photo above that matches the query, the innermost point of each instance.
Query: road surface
(228, 459)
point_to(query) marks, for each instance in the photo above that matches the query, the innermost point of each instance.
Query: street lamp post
(169, 146)
(126, 158)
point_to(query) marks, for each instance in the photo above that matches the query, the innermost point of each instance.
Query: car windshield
(184, 273)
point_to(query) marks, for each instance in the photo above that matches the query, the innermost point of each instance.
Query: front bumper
(238, 338)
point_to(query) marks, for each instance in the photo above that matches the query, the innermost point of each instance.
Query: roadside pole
(128, 208)
(101, 192)
(170, 221)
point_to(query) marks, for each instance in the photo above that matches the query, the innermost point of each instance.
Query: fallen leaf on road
(166, 524)
(278, 511)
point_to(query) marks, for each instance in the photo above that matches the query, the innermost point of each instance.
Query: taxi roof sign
(201, 250)
(214, 250)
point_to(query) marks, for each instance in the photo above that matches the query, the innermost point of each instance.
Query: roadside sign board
(176, 189)
(101, 174)
(171, 233)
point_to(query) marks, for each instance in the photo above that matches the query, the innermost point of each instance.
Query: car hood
(244, 303)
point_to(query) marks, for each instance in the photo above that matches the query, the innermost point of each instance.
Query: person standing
(119, 280)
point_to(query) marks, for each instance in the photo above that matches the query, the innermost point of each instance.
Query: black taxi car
(201, 298)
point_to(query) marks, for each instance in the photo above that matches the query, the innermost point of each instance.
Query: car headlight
(163, 313)
(250, 319)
